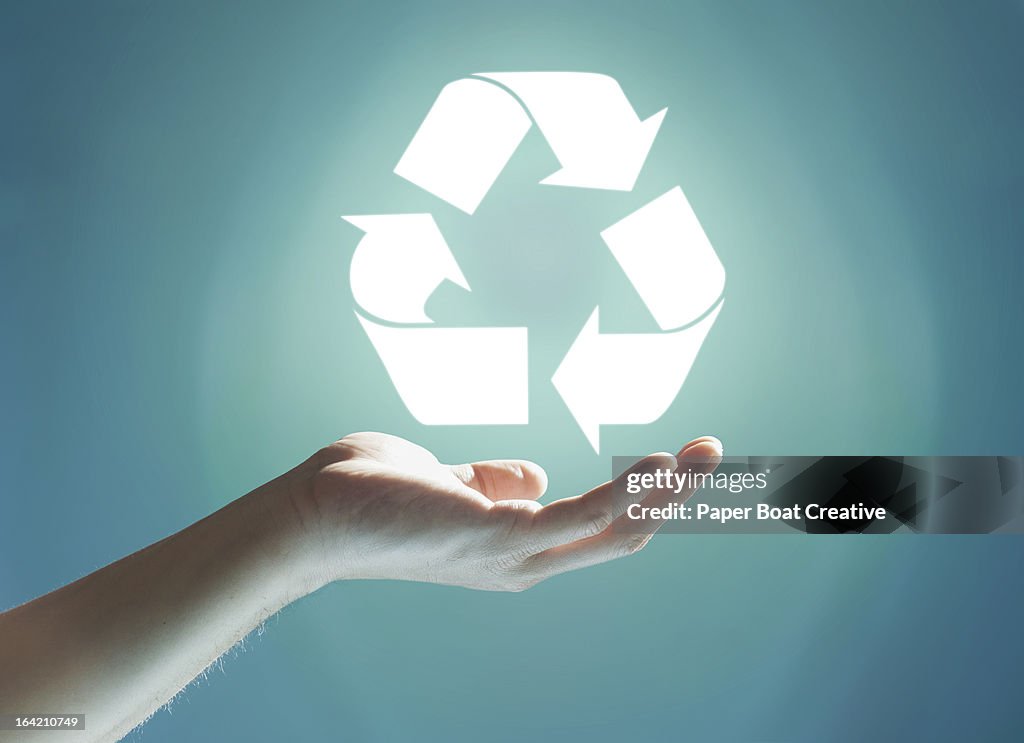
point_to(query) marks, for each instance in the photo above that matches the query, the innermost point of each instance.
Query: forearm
(121, 642)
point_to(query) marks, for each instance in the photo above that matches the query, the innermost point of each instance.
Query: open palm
(383, 507)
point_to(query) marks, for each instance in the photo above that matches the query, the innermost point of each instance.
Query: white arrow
(398, 264)
(626, 378)
(465, 141)
(663, 250)
(589, 124)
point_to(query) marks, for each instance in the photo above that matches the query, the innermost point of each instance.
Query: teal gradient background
(177, 328)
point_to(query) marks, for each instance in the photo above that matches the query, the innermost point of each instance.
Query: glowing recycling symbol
(470, 133)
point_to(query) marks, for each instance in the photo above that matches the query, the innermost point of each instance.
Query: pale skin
(121, 642)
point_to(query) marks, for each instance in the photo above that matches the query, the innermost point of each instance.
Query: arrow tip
(643, 142)
(561, 177)
(652, 124)
(618, 165)
(593, 434)
(363, 222)
(571, 382)
(456, 276)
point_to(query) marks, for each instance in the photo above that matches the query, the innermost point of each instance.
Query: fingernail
(713, 457)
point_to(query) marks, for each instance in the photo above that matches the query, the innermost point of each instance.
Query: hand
(381, 507)
(124, 639)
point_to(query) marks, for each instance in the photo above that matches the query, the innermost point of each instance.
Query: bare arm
(121, 642)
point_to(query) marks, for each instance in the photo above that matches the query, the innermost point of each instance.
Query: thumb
(504, 479)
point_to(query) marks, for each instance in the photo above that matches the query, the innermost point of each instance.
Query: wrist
(288, 530)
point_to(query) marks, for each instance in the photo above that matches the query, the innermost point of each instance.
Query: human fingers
(571, 519)
(504, 479)
(698, 457)
(701, 457)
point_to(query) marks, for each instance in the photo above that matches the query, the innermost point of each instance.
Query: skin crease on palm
(119, 643)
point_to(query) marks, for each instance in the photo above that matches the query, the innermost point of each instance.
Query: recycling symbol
(470, 133)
